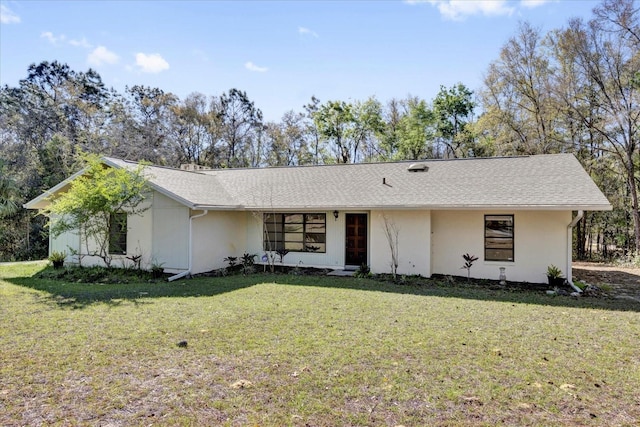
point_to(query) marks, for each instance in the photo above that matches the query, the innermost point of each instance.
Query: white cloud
(151, 63)
(52, 38)
(530, 4)
(458, 10)
(7, 16)
(307, 32)
(253, 67)
(57, 40)
(102, 55)
(80, 43)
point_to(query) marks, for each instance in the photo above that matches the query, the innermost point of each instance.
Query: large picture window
(295, 232)
(118, 233)
(498, 238)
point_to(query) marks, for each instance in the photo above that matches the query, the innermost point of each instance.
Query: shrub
(363, 271)
(57, 259)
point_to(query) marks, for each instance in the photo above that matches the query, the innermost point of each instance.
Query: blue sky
(281, 53)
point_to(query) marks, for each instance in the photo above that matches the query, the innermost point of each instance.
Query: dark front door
(356, 241)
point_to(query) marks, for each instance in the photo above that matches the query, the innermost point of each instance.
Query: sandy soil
(624, 281)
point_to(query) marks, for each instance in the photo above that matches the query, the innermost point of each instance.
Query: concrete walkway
(341, 273)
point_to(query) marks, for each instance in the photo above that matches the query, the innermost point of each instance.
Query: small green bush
(95, 274)
(554, 272)
(57, 256)
(363, 271)
(580, 284)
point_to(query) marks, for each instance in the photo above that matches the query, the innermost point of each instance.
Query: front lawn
(273, 350)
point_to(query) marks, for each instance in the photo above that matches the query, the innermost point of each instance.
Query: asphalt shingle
(529, 182)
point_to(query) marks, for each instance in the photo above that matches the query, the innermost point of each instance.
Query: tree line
(574, 89)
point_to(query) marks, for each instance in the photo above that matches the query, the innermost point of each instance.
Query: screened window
(118, 233)
(295, 232)
(498, 238)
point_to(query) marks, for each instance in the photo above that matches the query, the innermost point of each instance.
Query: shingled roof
(543, 182)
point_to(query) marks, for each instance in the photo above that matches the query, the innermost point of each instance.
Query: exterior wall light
(335, 215)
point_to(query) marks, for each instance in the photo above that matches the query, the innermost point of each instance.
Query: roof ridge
(133, 162)
(210, 171)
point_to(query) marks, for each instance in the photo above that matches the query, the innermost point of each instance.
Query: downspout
(188, 272)
(570, 249)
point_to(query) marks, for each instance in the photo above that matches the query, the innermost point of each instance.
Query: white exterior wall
(170, 233)
(217, 235)
(540, 239)
(430, 242)
(414, 242)
(139, 237)
(333, 258)
(68, 243)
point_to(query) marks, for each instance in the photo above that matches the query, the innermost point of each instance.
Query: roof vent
(418, 167)
(191, 167)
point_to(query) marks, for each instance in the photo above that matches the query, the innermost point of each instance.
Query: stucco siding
(139, 235)
(414, 242)
(170, 233)
(217, 235)
(540, 239)
(68, 242)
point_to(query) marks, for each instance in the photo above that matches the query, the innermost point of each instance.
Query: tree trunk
(633, 190)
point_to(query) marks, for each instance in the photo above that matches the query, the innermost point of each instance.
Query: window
(498, 238)
(295, 232)
(118, 233)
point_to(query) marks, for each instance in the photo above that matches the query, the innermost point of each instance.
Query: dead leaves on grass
(241, 384)
(296, 374)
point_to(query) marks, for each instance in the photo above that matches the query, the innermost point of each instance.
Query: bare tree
(605, 52)
(392, 232)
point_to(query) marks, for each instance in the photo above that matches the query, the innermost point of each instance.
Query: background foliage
(574, 89)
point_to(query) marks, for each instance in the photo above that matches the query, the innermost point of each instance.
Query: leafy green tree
(52, 102)
(453, 111)
(389, 139)
(416, 130)
(312, 131)
(51, 114)
(8, 193)
(348, 127)
(367, 127)
(334, 119)
(90, 205)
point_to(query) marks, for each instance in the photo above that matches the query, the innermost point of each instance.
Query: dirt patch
(623, 281)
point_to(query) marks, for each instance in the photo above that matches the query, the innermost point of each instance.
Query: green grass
(313, 351)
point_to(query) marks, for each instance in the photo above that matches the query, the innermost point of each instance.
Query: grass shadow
(483, 290)
(79, 295)
(70, 294)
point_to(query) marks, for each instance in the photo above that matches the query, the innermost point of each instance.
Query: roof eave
(220, 208)
(590, 207)
(41, 202)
